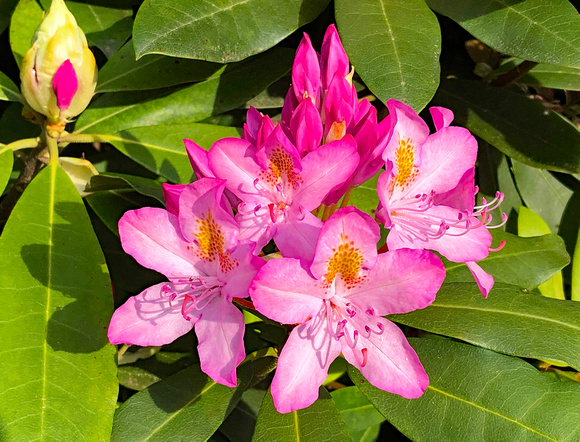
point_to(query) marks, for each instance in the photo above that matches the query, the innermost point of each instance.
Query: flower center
(281, 170)
(211, 243)
(405, 162)
(194, 293)
(346, 261)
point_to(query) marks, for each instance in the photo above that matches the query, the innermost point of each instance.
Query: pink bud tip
(65, 85)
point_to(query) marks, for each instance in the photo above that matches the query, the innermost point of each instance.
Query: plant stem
(20, 144)
(513, 75)
(86, 138)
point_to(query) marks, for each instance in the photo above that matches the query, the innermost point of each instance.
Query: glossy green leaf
(576, 271)
(510, 320)
(6, 8)
(320, 421)
(526, 262)
(476, 394)
(124, 73)
(58, 367)
(8, 90)
(136, 378)
(187, 406)
(161, 149)
(519, 127)
(14, 127)
(365, 197)
(358, 413)
(394, 46)
(237, 83)
(553, 76)
(217, 30)
(110, 205)
(240, 424)
(111, 181)
(531, 224)
(105, 28)
(542, 193)
(546, 31)
(25, 19)
(6, 165)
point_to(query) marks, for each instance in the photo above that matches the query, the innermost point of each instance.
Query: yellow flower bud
(59, 47)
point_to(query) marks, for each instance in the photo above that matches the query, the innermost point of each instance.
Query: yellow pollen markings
(404, 160)
(212, 243)
(337, 131)
(281, 164)
(346, 261)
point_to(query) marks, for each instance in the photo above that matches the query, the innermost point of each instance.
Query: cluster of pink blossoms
(331, 285)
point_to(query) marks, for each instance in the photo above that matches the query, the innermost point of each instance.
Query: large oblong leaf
(187, 406)
(237, 83)
(525, 262)
(124, 73)
(510, 321)
(476, 394)
(218, 30)
(25, 19)
(160, 148)
(520, 127)
(546, 31)
(320, 421)
(8, 90)
(553, 76)
(6, 165)
(394, 45)
(58, 369)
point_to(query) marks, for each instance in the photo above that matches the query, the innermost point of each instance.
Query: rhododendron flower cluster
(331, 287)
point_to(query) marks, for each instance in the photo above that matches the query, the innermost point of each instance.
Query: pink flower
(338, 303)
(279, 189)
(322, 106)
(196, 248)
(427, 192)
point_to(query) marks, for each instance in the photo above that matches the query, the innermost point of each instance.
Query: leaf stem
(85, 138)
(20, 144)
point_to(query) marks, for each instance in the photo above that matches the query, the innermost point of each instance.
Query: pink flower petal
(65, 84)
(303, 367)
(333, 60)
(171, 193)
(253, 119)
(483, 279)
(285, 292)
(353, 232)
(198, 158)
(256, 225)
(306, 126)
(462, 197)
(220, 333)
(400, 282)
(212, 234)
(239, 278)
(325, 169)
(148, 319)
(306, 72)
(391, 364)
(297, 236)
(339, 108)
(152, 236)
(442, 117)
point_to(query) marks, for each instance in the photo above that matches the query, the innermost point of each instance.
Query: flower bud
(58, 72)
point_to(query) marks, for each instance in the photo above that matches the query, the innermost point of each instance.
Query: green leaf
(136, 378)
(476, 394)
(111, 181)
(161, 150)
(510, 321)
(6, 8)
(187, 406)
(110, 205)
(525, 262)
(8, 90)
(26, 18)
(531, 224)
(220, 31)
(14, 127)
(394, 46)
(576, 271)
(240, 424)
(236, 84)
(553, 76)
(365, 197)
(57, 364)
(124, 73)
(542, 193)
(546, 31)
(105, 28)
(320, 421)
(358, 413)
(6, 165)
(520, 127)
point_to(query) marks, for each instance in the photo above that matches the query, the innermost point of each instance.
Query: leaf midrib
(487, 410)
